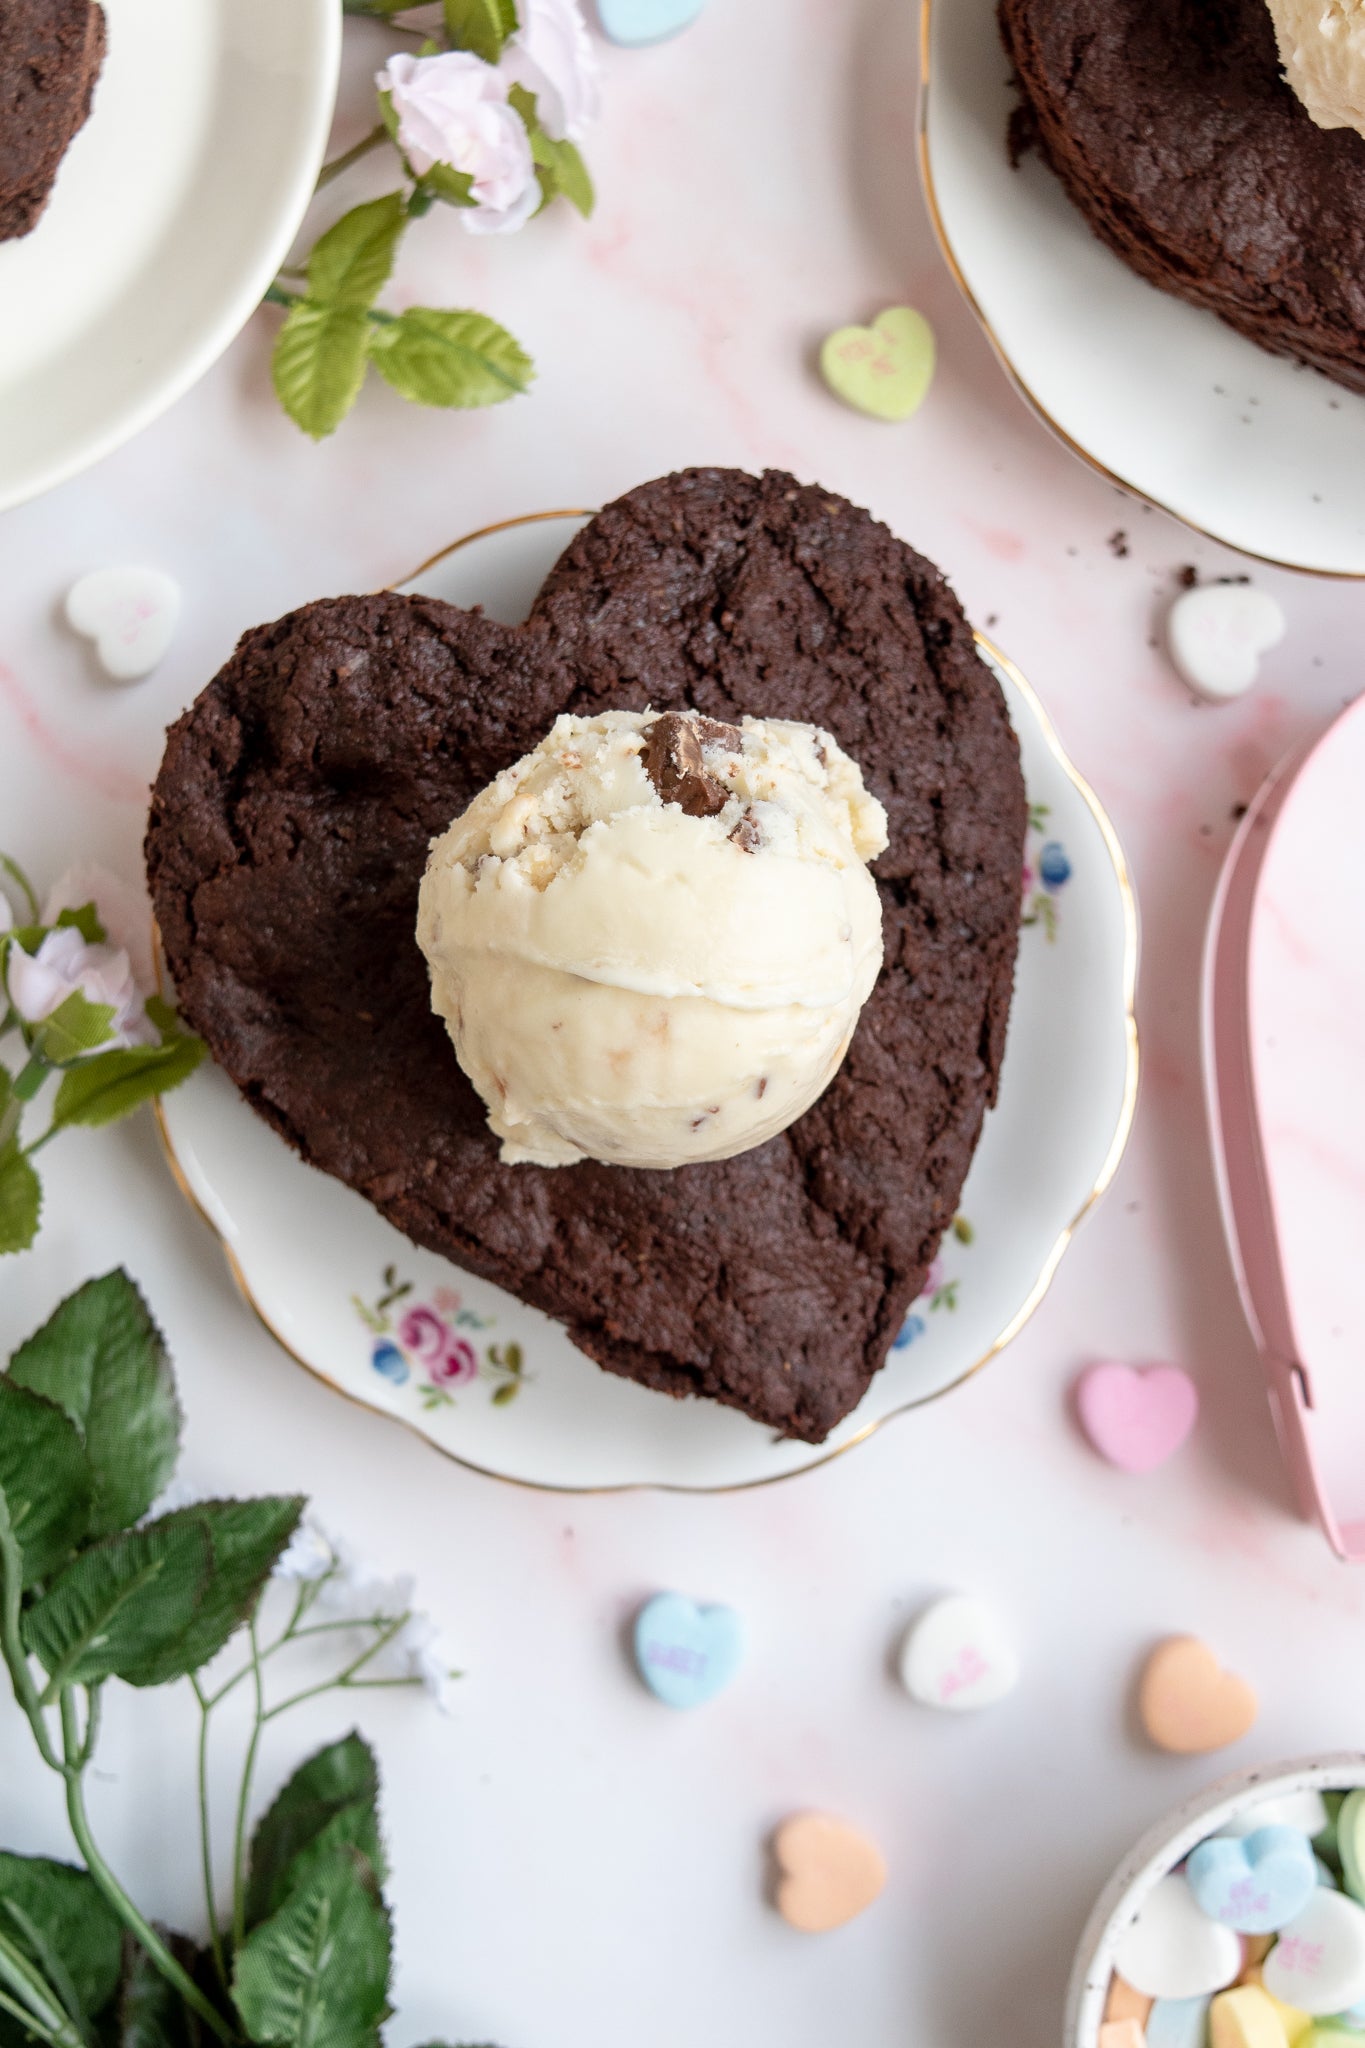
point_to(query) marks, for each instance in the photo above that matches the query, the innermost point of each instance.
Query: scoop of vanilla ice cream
(1322, 49)
(650, 939)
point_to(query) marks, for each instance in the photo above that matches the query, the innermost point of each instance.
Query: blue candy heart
(1257, 1885)
(1177, 2023)
(687, 1654)
(637, 22)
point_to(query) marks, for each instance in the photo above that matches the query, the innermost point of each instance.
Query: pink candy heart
(1136, 1416)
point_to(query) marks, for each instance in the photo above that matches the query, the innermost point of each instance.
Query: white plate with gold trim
(1162, 398)
(173, 209)
(497, 1385)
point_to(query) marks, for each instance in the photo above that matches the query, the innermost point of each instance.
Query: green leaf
(318, 365)
(102, 1359)
(478, 25)
(120, 1608)
(246, 1538)
(456, 188)
(60, 1919)
(111, 1085)
(351, 263)
(562, 171)
(455, 359)
(341, 1780)
(77, 1026)
(45, 1478)
(21, 1198)
(316, 1973)
(86, 920)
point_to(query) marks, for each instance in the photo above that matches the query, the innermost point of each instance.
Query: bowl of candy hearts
(1237, 1922)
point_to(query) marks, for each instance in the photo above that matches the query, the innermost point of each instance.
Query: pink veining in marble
(109, 780)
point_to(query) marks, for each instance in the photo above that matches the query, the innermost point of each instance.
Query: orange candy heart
(1187, 1701)
(828, 1872)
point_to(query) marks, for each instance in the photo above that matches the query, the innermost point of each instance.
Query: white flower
(355, 1593)
(552, 55)
(306, 1556)
(452, 109)
(6, 914)
(65, 964)
(417, 1651)
(122, 908)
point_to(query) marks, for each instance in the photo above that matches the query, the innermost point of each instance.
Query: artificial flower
(307, 1557)
(121, 906)
(452, 109)
(64, 965)
(552, 55)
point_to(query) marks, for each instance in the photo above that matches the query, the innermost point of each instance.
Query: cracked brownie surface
(1171, 128)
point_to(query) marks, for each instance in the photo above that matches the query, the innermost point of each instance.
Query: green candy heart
(884, 369)
(1351, 1843)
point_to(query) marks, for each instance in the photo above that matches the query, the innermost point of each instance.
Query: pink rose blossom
(452, 109)
(65, 964)
(449, 1360)
(552, 56)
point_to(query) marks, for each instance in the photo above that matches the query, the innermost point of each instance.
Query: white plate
(1158, 396)
(321, 1267)
(173, 209)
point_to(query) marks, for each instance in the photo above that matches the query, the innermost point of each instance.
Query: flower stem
(344, 1677)
(259, 1719)
(11, 1646)
(274, 295)
(341, 163)
(30, 1078)
(39, 1142)
(113, 1891)
(205, 1837)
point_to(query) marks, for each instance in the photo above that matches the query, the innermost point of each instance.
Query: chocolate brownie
(288, 835)
(50, 56)
(1171, 128)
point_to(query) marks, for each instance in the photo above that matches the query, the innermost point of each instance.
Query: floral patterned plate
(498, 1385)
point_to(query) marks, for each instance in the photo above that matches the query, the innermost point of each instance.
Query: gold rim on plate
(1020, 384)
(1040, 1286)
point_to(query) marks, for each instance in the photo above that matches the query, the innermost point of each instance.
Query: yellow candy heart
(1294, 2025)
(1245, 2018)
(884, 369)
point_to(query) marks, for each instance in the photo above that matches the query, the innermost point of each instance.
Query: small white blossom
(418, 1651)
(122, 908)
(452, 109)
(65, 964)
(552, 55)
(307, 1556)
(6, 914)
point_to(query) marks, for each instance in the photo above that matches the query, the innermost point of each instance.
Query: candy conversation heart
(1351, 1842)
(687, 1654)
(1122, 2034)
(1188, 1703)
(1244, 2018)
(1172, 1950)
(637, 23)
(1318, 1963)
(1217, 635)
(1177, 2023)
(130, 613)
(1255, 1885)
(828, 1872)
(1305, 1811)
(1136, 1416)
(956, 1656)
(885, 369)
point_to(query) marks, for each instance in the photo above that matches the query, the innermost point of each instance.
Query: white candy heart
(129, 613)
(956, 1656)
(1318, 1963)
(1172, 1950)
(1305, 1811)
(1217, 635)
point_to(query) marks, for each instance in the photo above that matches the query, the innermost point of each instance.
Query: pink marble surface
(576, 1867)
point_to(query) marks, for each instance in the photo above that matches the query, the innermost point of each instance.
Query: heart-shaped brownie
(289, 830)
